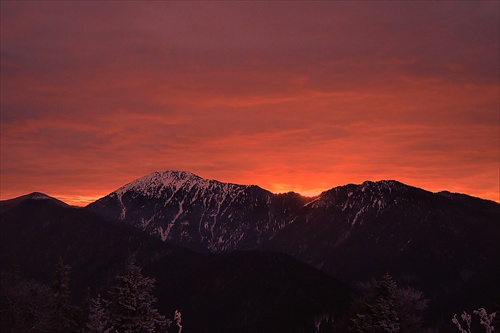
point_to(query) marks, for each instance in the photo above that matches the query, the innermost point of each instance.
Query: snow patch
(358, 214)
(39, 196)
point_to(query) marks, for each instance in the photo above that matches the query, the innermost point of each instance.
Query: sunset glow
(290, 96)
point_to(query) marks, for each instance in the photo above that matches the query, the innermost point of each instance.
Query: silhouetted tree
(383, 307)
(410, 306)
(24, 306)
(130, 307)
(98, 321)
(63, 312)
(485, 319)
(377, 313)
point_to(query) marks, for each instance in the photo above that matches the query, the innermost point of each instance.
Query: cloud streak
(290, 96)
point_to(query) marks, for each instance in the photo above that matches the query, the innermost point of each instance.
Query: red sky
(300, 96)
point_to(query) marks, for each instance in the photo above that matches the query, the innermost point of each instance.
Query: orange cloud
(298, 96)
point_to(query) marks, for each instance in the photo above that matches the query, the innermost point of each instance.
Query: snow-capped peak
(357, 201)
(155, 182)
(382, 184)
(39, 196)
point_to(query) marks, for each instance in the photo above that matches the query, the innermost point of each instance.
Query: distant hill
(11, 203)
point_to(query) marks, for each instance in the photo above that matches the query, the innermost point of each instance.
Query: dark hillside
(233, 292)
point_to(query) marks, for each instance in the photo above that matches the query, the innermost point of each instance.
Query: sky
(290, 96)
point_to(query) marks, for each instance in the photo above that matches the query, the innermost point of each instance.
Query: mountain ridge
(181, 173)
(352, 232)
(181, 207)
(445, 244)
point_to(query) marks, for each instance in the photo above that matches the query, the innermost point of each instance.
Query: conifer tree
(376, 312)
(24, 306)
(63, 312)
(383, 307)
(410, 304)
(98, 321)
(131, 307)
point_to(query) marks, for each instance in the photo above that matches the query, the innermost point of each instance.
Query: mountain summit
(8, 204)
(153, 185)
(187, 210)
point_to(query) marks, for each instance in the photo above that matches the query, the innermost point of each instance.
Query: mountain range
(444, 244)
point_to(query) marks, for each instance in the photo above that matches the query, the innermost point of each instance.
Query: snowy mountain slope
(184, 209)
(386, 213)
(438, 242)
(338, 213)
(435, 242)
